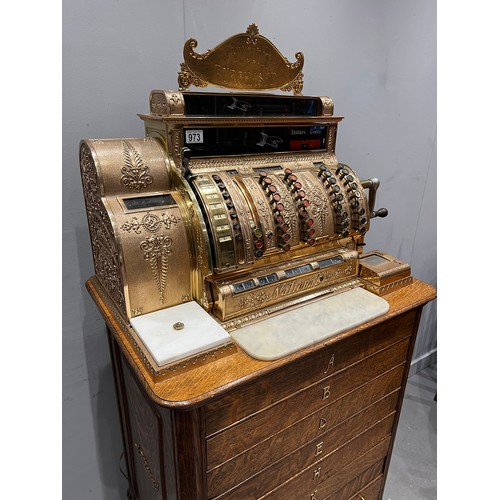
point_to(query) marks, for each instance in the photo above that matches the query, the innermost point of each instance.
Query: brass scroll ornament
(246, 61)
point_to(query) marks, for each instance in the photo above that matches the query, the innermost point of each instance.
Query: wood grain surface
(370, 492)
(294, 476)
(236, 471)
(277, 422)
(317, 424)
(366, 479)
(333, 478)
(351, 354)
(199, 384)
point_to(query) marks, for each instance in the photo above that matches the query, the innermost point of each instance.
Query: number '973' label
(194, 136)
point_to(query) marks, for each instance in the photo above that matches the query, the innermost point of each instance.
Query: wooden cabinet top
(196, 385)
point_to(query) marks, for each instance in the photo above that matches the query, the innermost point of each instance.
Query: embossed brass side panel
(139, 239)
(162, 102)
(154, 245)
(105, 250)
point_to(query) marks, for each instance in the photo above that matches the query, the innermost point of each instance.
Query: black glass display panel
(219, 141)
(268, 169)
(142, 202)
(246, 105)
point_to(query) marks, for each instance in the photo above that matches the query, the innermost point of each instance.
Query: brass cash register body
(235, 200)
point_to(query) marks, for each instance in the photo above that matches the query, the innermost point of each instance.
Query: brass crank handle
(372, 186)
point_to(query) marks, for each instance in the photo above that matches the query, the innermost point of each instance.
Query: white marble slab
(289, 332)
(200, 333)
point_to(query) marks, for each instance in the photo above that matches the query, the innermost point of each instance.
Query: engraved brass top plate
(246, 61)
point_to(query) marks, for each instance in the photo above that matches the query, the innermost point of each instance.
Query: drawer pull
(361, 497)
(322, 422)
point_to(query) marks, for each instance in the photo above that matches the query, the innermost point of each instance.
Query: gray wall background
(377, 59)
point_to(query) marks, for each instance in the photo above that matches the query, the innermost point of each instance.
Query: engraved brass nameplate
(246, 61)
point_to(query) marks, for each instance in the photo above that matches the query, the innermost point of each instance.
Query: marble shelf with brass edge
(157, 371)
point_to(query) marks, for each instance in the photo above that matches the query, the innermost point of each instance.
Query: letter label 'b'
(326, 392)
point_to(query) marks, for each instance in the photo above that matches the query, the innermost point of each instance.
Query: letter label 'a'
(330, 364)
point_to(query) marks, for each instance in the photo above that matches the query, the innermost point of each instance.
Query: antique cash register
(227, 246)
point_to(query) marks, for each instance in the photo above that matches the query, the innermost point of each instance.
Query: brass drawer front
(253, 461)
(252, 433)
(304, 464)
(241, 403)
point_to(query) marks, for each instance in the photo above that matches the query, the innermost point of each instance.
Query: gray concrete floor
(412, 471)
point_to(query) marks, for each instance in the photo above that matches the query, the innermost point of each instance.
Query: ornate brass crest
(135, 174)
(246, 61)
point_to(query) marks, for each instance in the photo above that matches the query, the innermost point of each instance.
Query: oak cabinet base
(319, 424)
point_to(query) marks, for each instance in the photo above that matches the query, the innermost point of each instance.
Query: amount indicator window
(296, 271)
(243, 286)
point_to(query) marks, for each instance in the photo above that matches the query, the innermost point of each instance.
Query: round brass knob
(178, 325)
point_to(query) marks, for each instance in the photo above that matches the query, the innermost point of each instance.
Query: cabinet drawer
(370, 492)
(353, 488)
(253, 461)
(316, 397)
(322, 455)
(283, 438)
(318, 485)
(277, 385)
